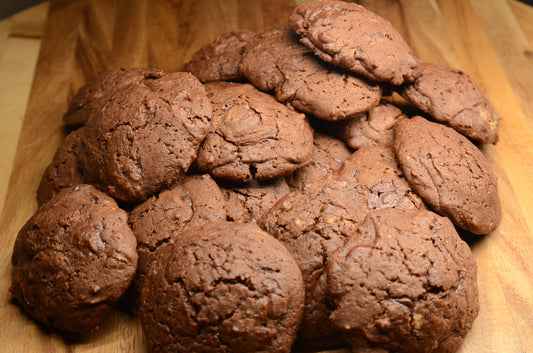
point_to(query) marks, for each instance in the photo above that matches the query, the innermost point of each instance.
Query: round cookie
(328, 155)
(194, 200)
(94, 94)
(381, 182)
(146, 136)
(222, 287)
(450, 96)
(73, 259)
(312, 223)
(247, 202)
(372, 128)
(350, 36)
(64, 170)
(315, 221)
(405, 282)
(449, 173)
(274, 61)
(254, 136)
(219, 60)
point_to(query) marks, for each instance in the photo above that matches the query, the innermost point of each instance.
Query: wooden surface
(492, 40)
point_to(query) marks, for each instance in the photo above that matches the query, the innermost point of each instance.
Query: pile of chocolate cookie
(270, 193)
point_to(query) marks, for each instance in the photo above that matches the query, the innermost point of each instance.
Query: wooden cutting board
(482, 37)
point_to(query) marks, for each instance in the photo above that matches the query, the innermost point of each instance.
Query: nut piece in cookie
(405, 282)
(451, 97)
(94, 94)
(372, 128)
(253, 136)
(247, 202)
(74, 259)
(219, 60)
(194, 200)
(146, 136)
(449, 173)
(274, 61)
(348, 35)
(328, 155)
(64, 170)
(222, 287)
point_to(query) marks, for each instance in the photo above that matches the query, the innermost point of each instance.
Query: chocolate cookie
(247, 202)
(222, 287)
(219, 60)
(381, 182)
(348, 35)
(64, 170)
(275, 61)
(312, 223)
(253, 136)
(328, 155)
(146, 135)
(73, 259)
(94, 94)
(194, 200)
(449, 173)
(450, 96)
(315, 221)
(405, 282)
(371, 128)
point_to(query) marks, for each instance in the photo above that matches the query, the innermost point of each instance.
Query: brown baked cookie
(64, 170)
(349, 36)
(94, 94)
(449, 173)
(315, 221)
(371, 128)
(222, 287)
(219, 60)
(247, 202)
(328, 155)
(451, 97)
(146, 136)
(274, 61)
(381, 182)
(73, 259)
(405, 282)
(194, 200)
(312, 223)
(254, 136)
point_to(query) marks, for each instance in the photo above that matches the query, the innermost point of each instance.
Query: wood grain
(20, 40)
(82, 38)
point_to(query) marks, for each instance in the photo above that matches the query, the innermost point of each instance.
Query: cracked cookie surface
(254, 136)
(328, 155)
(405, 282)
(74, 259)
(219, 60)
(247, 202)
(372, 128)
(146, 136)
(451, 97)
(64, 170)
(91, 97)
(315, 221)
(449, 173)
(194, 200)
(275, 61)
(350, 36)
(312, 223)
(222, 287)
